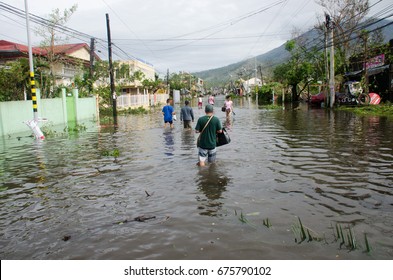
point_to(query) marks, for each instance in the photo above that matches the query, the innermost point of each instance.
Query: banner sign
(376, 61)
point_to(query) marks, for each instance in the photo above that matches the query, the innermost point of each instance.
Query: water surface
(68, 198)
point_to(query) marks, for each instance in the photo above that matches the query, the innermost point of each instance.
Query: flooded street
(71, 197)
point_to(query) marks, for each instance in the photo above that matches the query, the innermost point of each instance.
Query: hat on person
(209, 108)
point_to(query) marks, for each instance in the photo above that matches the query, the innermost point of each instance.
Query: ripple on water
(281, 165)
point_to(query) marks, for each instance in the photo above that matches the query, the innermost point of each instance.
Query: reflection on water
(187, 138)
(211, 183)
(169, 142)
(326, 167)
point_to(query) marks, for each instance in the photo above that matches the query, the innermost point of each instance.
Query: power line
(206, 39)
(341, 38)
(59, 28)
(232, 21)
(126, 25)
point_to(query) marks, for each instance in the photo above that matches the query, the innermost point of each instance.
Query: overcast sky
(179, 35)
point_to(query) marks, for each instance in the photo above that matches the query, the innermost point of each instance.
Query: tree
(14, 78)
(138, 76)
(51, 38)
(178, 81)
(297, 70)
(347, 16)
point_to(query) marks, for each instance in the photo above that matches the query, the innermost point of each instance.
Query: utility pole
(365, 38)
(32, 81)
(256, 74)
(113, 93)
(33, 124)
(167, 82)
(260, 71)
(326, 66)
(330, 27)
(91, 65)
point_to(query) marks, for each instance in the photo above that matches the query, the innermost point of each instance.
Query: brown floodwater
(69, 197)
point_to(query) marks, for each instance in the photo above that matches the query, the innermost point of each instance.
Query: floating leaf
(253, 214)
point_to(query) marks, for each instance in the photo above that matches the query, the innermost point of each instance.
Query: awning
(377, 70)
(354, 73)
(370, 72)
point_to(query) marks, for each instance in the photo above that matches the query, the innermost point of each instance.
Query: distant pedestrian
(168, 113)
(200, 102)
(228, 104)
(187, 115)
(211, 100)
(208, 126)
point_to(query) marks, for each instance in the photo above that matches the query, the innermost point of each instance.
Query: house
(10, 51)
(125, 75)
(251, 84)
(70, 59)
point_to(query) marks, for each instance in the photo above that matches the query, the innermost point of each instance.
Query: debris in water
(66, 237)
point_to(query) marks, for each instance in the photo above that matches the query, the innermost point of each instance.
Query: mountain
(245, 68)
(266, 62)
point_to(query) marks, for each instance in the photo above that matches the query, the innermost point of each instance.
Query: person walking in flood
(208, 126)
(211, 100)
(200, 102)
(187, 115)
(168, 113)
(228, 104)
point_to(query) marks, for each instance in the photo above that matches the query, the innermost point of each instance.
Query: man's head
(209, 108)
(187, 102)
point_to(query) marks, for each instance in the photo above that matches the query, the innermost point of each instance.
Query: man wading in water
(208, 126)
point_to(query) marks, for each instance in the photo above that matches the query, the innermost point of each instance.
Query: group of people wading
(207, 126)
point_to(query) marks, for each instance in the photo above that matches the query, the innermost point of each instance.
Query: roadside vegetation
(382, 110)
(342, 235)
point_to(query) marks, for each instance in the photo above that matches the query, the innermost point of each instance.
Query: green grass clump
(267, 223)
(385, 110)
(346, 236)
(303, 233)
(114, 153)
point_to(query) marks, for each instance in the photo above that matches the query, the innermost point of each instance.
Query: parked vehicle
(317, 98)
(352, 95)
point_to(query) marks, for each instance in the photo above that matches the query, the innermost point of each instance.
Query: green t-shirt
(208, 138)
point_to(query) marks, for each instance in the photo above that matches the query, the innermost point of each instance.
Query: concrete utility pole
(366, 80)
(32, 80)
(330, 27)
(113, 93)
(33, 124)
(326, 67)
(256, 74)
(167, 82)
(91, 64)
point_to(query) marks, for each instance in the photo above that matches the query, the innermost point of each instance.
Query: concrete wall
(13, 114)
